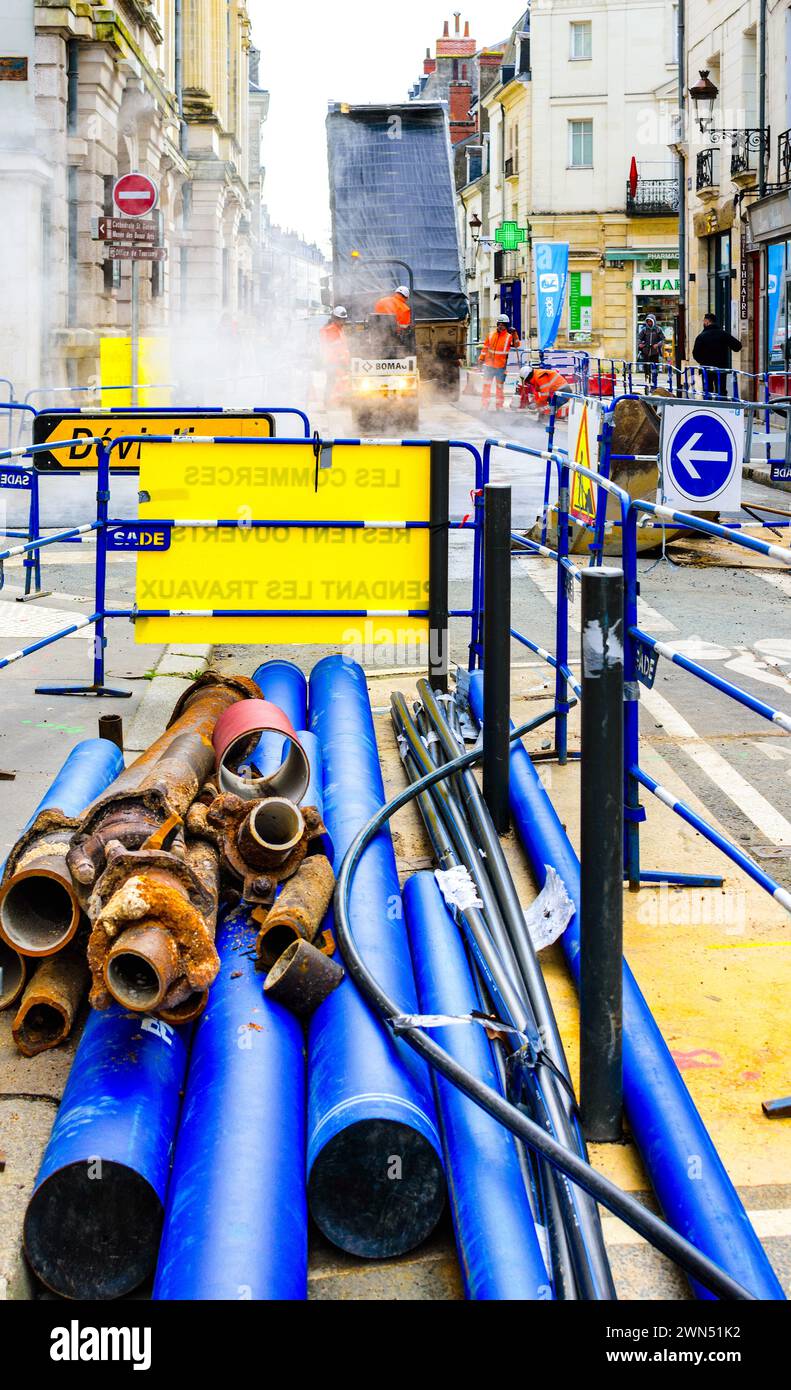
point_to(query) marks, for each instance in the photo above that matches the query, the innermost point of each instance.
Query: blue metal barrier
(101, 611)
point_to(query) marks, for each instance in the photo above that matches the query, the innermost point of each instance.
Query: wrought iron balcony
(507, 265)
(707, 175)
(653, 198)
(784, 157)
(746, 148)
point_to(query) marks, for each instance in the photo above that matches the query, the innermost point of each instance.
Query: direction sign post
(702, 454)
(135, 195)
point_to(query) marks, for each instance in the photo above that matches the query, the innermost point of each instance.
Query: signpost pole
(135, 334)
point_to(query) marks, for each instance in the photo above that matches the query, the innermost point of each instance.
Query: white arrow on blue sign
(702, 454)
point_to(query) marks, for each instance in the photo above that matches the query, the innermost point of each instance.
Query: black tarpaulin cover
(391, 194)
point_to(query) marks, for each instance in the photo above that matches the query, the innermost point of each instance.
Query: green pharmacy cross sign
(510, 235)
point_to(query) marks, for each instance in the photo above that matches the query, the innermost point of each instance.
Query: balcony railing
(511, 167)
(707, 174)
(746, 148)
(784, 157)
(653, 198)
(506, 265)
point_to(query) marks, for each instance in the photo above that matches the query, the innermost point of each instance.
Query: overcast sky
(342, 50)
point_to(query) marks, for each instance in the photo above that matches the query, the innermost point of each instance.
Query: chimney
(466, 28)
(457, 17)
(428, 52)
(445, 30)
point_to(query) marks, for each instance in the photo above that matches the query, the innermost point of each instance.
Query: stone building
(160, 86)
(582, 90)
(722, 146)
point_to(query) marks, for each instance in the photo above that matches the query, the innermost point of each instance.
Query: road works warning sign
(381, 573)
(80, 427)
(584, 430)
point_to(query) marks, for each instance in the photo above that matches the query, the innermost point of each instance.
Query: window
(581, 144)
(581, 40)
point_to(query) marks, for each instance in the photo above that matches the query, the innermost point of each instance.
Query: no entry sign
(135, 195)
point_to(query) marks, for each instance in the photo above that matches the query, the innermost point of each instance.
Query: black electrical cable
(475, 930)
(627, 1208)
(581, 1218)
(559, 1099)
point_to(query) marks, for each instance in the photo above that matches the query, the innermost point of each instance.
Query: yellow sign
(153, 373)
(54, 427)
(583, 490)
(371, 571)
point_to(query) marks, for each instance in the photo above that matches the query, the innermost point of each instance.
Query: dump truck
(394, 222)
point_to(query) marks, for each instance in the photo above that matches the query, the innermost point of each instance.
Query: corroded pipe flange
(152, 888)
(232, 822)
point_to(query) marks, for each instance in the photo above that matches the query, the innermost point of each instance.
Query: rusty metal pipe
(299, 911)
(302, 978)
(39, 908)
(141, 967)
(270, 833)
(50, 1003)
(13, 975)
(157, 789)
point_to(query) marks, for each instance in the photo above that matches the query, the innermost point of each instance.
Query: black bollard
(497, 651)
(438, 566)
(601, 856)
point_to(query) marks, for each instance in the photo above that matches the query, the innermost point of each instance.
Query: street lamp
(704, 94)
(475, 226)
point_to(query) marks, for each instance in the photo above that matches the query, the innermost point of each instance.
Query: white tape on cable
(550, 914)
(458, 887)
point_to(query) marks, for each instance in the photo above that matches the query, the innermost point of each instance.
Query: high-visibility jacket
(497, 346)
(334, 347)
(544, 382)
(395, 304)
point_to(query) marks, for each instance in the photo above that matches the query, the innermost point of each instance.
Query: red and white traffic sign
(135, 195)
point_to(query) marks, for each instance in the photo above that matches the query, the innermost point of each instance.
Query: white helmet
(402, 289)
(503, 318)
(339, 312)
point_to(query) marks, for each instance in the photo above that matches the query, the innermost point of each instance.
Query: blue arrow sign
(701, 456)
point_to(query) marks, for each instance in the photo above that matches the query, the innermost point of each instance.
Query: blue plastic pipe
(88, 771)
(93, 1223)
(236, 1219)
(688, 1176)
(498, 1247)
(375, 1178)
(282, 684)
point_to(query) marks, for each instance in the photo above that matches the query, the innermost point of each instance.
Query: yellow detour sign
(55, 426)
(584, 426)
(380, 574)
(153, 371)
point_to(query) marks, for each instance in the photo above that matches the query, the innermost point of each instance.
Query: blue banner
(551, 263)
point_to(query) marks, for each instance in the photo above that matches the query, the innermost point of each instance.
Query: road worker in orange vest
(336, 355)
(494, 356)
(396, 304)
(538, 385)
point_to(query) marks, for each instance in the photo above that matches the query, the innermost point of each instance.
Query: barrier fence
(18, 478)
(642, 650)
